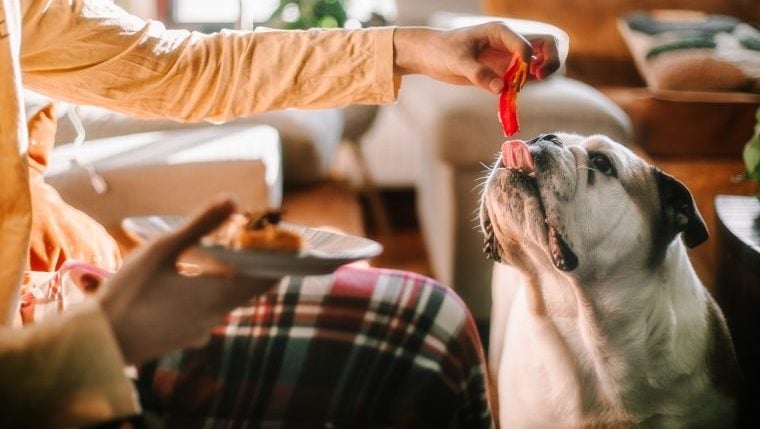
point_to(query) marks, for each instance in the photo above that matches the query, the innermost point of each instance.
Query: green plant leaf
(752, 153)
(328, 22)
(312, 13)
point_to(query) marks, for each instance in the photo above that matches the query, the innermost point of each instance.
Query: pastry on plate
(260, 231)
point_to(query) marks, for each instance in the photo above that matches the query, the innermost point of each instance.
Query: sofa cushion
(171, 172)
(557, 104)
(465, 131)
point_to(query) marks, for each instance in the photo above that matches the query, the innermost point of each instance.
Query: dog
(611, 326)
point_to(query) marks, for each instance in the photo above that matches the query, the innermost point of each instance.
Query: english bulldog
(611, 326)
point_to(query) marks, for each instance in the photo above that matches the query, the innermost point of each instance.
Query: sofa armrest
(171, 172)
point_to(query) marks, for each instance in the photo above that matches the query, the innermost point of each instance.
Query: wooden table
(737, 287)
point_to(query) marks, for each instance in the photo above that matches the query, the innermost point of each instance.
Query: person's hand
(477, 55)
(153, 309)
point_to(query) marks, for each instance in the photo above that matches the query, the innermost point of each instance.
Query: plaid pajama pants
(359, 348)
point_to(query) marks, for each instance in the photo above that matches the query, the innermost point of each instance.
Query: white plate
(323, 253)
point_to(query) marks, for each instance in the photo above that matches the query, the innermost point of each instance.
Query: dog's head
(585, 205)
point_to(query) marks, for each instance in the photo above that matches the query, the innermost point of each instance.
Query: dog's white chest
(554, 372)
(541, 385)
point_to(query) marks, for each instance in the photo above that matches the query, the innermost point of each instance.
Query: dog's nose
(516, 155)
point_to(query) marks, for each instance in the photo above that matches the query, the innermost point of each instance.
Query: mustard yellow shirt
(69, 372)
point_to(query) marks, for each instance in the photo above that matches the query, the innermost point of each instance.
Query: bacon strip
(514, 79)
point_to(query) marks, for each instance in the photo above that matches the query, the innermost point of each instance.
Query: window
(205, 11)
(212, 15)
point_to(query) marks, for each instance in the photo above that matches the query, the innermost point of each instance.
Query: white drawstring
(97, 181)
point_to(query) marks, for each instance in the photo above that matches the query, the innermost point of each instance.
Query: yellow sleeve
(92, 52)
(64, 373)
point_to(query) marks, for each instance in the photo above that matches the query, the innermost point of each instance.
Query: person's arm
(64, 373)
(92, 52)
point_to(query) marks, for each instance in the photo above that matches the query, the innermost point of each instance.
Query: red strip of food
(514, 79)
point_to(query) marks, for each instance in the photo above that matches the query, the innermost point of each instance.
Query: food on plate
(514, 79)
(255, 231)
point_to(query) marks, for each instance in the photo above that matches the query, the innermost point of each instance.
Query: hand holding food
(477, 55)
(153, 309)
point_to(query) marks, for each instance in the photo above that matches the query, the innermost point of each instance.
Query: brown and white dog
(611, 326)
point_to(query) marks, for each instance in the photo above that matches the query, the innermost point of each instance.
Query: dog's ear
(679, 212)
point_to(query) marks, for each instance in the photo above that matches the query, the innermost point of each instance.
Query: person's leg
(363, 347)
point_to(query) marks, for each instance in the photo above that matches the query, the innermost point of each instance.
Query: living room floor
(335, 205)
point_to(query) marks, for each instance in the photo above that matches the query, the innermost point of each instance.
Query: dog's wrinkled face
(585, 205)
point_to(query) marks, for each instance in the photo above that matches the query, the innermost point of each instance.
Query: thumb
(205, 221)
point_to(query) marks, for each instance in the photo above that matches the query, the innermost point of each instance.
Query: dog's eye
(602, 164)
(552, 138)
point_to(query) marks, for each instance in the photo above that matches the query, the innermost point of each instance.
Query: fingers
(546, 55)
(484, 77)
(170, 246)
(494, 38)
(503, 38)
(540, 52)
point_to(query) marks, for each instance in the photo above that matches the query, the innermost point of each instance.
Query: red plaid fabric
(360, 348)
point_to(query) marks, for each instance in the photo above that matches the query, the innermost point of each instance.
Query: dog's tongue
(515, 154)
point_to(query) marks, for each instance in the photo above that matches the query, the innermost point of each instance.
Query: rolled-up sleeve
(92, 52)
